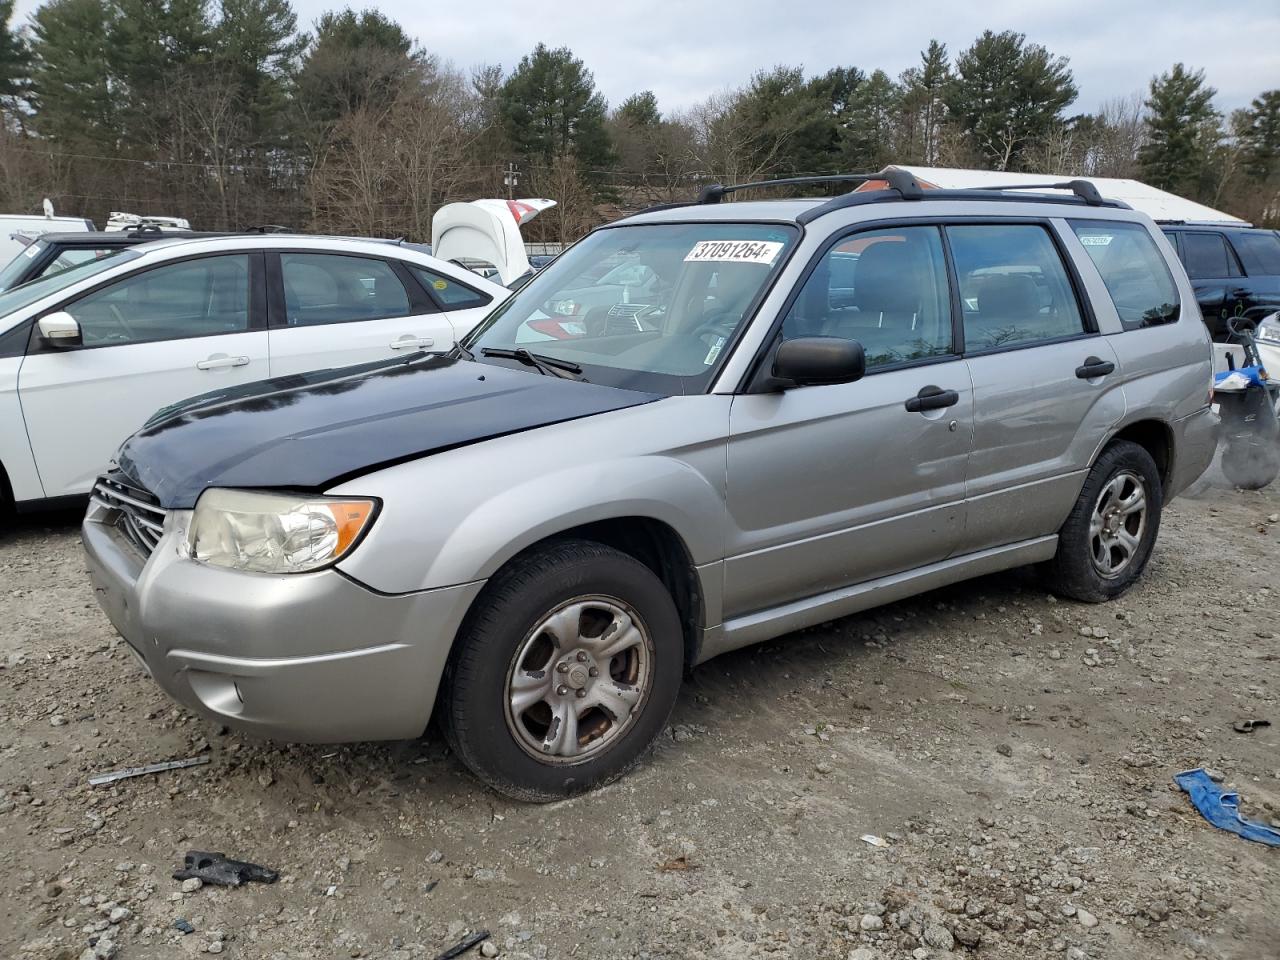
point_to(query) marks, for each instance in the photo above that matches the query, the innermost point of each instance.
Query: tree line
(227, 113)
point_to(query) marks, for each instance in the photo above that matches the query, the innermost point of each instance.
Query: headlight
(1269, 328)
(275, 533)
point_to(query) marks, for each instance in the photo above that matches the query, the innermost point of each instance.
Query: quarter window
(195, 298)
(1133, 271)
(1206, 256)
(333, 288)
(1014, 289)
(1259, 251)
(887, 289)
(449, 293)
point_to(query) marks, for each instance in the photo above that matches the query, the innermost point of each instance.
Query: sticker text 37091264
(734, 251)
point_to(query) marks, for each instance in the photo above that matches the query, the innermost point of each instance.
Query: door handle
(1094, 367)
(217, 362)
(932, 398)
(412, 343)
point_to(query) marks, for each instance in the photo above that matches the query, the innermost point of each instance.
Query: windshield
(648, 307)
(28, 293)
(18, 265)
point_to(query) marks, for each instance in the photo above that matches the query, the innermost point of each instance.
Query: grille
(138, 515)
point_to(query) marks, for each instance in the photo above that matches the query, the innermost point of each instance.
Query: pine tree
(1260, 136)
(1182, 131)
(551, 110)
(1007, 93)
(15, 58)
(71, 91)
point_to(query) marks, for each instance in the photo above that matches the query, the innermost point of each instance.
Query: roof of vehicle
(122, 238)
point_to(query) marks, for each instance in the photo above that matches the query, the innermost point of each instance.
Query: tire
(515, 677)
(1095, 561)
(1252, 464)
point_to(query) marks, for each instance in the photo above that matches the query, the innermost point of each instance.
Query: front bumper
(312, 657)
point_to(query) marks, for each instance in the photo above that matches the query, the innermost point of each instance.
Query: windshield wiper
(466, 354)
(548, 366)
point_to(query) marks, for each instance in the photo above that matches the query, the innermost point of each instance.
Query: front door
(149, 339)
(833, 485)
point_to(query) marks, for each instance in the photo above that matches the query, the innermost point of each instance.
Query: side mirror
(808, 361)
(60, 329)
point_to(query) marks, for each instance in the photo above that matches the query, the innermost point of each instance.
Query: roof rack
(897, 179)
(1083, 189)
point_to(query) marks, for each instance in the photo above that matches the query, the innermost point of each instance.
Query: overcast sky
(685, 50)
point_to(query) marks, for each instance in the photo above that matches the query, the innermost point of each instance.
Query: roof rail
(897, 179)
(1083, 189)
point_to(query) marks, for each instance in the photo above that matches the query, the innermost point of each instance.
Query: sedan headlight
(275, 533)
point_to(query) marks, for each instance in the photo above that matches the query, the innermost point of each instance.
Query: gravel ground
(1012, 753)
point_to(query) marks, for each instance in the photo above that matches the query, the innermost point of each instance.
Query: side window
(195, 298)
(334, 288)
(1014, 288)
(1206, 256)
(1133, 271)
(1259, 251)
(887, 289)
(449, 293)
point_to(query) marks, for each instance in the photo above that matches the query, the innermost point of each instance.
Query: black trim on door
(416, 282)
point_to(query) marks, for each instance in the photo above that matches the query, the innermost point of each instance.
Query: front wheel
(565, 673)
(1107, 540)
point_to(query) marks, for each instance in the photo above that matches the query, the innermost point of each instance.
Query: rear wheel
(565, 673)
(1107, 540)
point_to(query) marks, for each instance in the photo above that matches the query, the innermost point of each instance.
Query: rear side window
(449, 293)
(1133, 271)
(887, 289)
(1260, 253)
(324, 288)
(1014, 288)
(1206, 256)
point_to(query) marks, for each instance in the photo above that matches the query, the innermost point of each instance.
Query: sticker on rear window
(734, 251)
(1095, 239)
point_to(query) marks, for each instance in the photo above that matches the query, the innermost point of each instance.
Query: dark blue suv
(1235, 271)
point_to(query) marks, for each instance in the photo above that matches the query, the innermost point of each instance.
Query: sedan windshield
(28, 293)
(649, 307)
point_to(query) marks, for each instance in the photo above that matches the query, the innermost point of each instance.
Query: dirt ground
(1013, 752)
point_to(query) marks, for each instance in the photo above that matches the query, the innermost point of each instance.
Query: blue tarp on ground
(1223, 809)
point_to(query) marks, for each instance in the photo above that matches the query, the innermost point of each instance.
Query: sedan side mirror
(808, 361)
(60, 329)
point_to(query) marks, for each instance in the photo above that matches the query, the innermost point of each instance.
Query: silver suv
(818, 406)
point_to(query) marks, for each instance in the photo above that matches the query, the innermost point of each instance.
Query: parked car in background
(17, 231)
(87, 354)
(51, 253)
(828, 404)
(1235, 271)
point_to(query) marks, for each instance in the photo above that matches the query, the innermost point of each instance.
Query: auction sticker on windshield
(734, 251)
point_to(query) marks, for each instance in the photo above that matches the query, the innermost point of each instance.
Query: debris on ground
(218, 869)
(100, 779)
(679, 863)
(1249, 725)
(464, 945)
(1223, 809)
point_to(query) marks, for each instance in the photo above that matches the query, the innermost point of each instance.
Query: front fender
(458, 516)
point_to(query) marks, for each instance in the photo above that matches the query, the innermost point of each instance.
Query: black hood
(314, 430)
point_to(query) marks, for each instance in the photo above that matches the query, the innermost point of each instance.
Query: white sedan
(87, 355)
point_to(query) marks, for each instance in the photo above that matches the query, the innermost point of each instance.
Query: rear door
(150, 339)
(1045, 385)
(1257, 294)
(1215, 276)
(336, 309)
